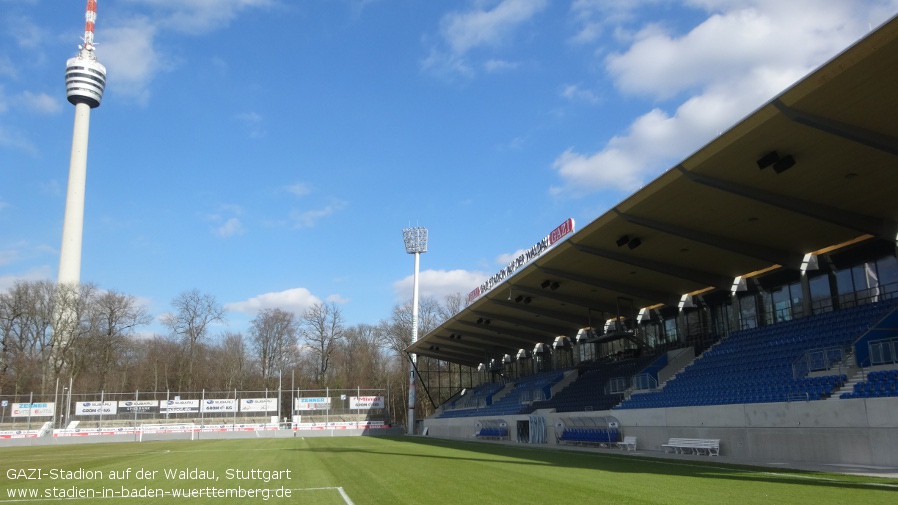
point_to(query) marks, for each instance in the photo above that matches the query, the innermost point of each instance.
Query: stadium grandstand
(741, 304)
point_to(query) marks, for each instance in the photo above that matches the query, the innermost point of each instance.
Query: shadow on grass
(502, 454)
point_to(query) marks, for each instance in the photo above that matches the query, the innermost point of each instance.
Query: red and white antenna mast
(90, 17)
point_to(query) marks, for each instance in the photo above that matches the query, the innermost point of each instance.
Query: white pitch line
(339, 489)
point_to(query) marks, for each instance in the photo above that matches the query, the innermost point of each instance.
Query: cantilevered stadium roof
(830, 146)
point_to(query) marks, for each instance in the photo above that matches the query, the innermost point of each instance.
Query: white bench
(709, 446)
(629, 444)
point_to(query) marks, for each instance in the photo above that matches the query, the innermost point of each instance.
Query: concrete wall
(858, 432)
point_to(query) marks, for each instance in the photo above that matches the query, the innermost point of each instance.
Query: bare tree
(452, 304)
(194, 313)
(157, 363)
(40, 321)
(17, 326)
(361, 361)
(322, 327)
(397, 332)
(111, 318)
(231, 354)
(274, 339)
(396, 335)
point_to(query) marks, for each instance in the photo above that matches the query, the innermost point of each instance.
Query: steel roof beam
(852, 221)
(773, 256)
(558, 316)
(570, 300)
(624, 289)
(878, 141)
(688, 274)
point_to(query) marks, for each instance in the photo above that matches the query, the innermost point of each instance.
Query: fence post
(30, 406)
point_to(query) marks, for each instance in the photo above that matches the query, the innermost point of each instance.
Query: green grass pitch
(376, 470)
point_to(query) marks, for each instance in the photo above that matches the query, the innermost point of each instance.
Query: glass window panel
(748, 312)
(821, 299)
(888, 274)
(844, 282)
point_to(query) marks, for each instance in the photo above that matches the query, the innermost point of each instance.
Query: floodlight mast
(415, 243)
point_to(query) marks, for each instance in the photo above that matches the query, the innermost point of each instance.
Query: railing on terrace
(644, 381)
(883, 352)
(818, 360)
(617, 385)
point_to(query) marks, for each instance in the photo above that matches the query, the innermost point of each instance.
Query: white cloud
(38, 273)
(499, 65)
(295, 300)
(594, 17)
(298, 189)
(230, 228)
(129, 49)
(462, 32)
(439, 283)
(227, 224)
(7, 67)
(335, 298)
(28, 35)
(478, 27)
(575, 93)
(8, 256)
(504, 259)
(253, 121)
(743, 54)
(310, 218)
(200, 16)
(40, 102)
(15, 140)
(129, 43)
(51, 187)
(783, 36)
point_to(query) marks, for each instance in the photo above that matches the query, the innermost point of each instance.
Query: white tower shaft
(73, 223)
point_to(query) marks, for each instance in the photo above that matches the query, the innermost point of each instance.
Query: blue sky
(270, 152)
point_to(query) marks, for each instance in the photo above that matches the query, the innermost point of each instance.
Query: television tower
(85, 79)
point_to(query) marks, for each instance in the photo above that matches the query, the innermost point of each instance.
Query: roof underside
(716, 215)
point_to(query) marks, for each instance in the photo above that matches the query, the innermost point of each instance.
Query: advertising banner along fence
(366, 402)
(47, 409)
